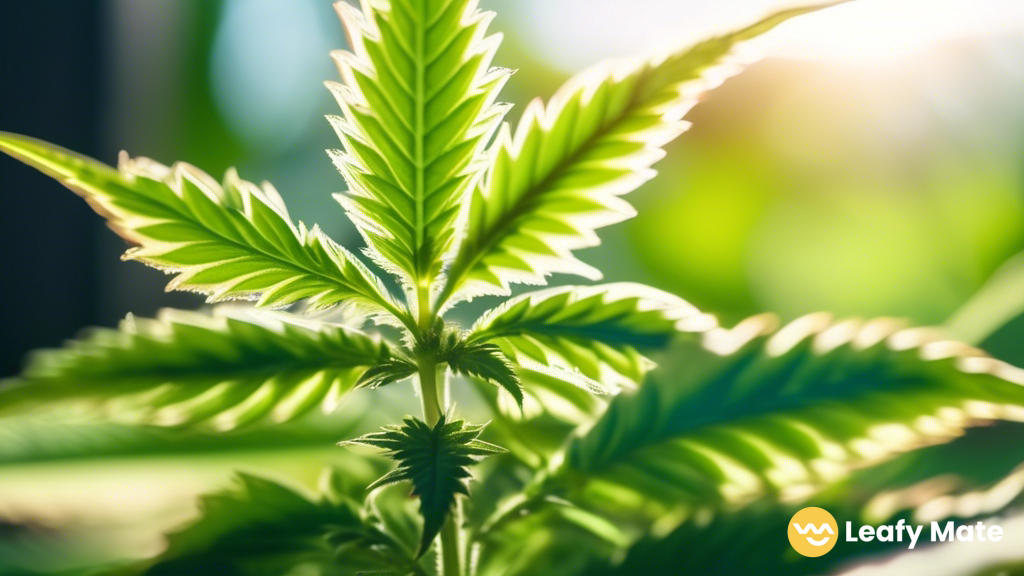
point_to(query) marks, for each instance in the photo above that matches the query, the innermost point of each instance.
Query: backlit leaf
(561, 175)
(227, 241)
(593, 334)
(232, 368)
(754, 412)
(417, 102)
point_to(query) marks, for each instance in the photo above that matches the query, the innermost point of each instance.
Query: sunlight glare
(571, 34)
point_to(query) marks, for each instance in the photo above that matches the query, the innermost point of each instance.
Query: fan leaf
(755, 412)
(589, 334)
(920, 487)
(480, 360)
(436, 460)
(228, 241)
(560, 177)
(232, 368)
(486, 361)
(262, 528)
(417, 102)
(708, 546)
(978, 474)
(388, 372)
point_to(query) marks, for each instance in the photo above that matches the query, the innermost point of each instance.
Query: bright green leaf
(417, 103)
(227, 241)
(926, 485)
(754, 412)
(560, 177)
(232, 368)
(589, 334)
(480, 360)
(388, 372)
(533, 430)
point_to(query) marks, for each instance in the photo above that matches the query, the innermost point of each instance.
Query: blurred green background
(871, 165)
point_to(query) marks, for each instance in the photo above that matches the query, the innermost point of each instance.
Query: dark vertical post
(51, 73)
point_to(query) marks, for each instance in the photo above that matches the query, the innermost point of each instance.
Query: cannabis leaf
(731, 417)
(226, 241)
(435, 460)
(417, 103)
(226, 369)
(702, 543)
(709, 546)
(547, 394)
(559, 178)
(589, 334)
(388, 372)
(754, 412)
(261, 527)
(30, 439)
(977, 474)
(807, 410)
(481, 360)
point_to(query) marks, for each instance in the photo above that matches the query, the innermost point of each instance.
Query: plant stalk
(432, 397)
(423, 307)
(429, 393)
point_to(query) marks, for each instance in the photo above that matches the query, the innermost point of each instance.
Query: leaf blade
(224, 370)
(226, 241)
(560, 176)
(417, 100)
(435, 460)
(594, 332)
(760, 412)
(262, 527)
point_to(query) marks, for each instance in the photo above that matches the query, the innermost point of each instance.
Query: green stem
(423, 306)
(431, 394)
(451, 555)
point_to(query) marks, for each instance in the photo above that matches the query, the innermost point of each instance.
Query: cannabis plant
(593, 461)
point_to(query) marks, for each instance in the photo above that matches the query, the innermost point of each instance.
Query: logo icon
(813, 532)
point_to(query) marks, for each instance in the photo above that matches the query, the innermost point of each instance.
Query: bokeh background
(870, 165)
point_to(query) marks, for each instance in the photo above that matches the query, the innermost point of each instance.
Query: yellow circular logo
(813, 532)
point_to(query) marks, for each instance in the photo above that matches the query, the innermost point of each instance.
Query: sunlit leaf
(591, 334)
(481, 360)
(561, 175)
(755, 412)
(228, 241)
(979, 474)
(226, 370)
(388, 372)
(417, 103)
(704, 542)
